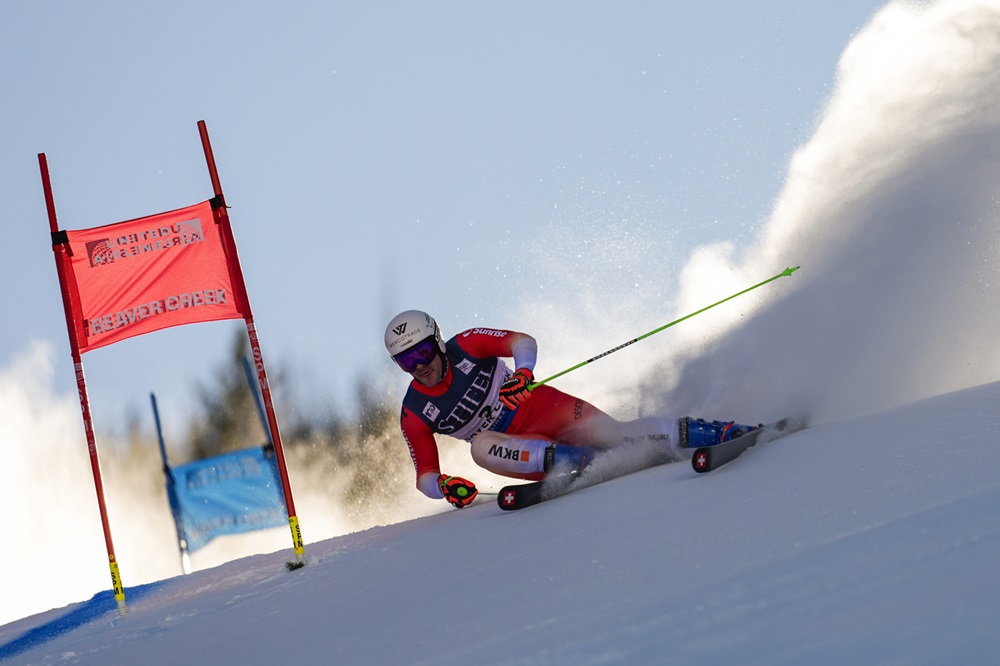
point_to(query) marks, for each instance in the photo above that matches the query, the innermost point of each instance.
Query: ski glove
(514, 391)
(458, 491)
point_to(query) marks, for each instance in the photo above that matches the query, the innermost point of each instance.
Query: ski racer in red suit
(462, 388)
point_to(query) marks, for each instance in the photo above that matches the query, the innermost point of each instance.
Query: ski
(521, 496)
(708, 458)
(585, 472)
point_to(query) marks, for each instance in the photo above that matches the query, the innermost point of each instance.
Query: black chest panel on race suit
(472, 402)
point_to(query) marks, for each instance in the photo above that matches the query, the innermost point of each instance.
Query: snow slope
(873, 539)
(870, 537)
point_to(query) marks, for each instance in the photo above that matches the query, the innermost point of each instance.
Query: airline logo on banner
(151, 273)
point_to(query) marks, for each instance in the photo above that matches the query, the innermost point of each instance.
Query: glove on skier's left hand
(458, 491)
(514, 391)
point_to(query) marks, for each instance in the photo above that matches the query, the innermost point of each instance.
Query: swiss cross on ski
(700, 461)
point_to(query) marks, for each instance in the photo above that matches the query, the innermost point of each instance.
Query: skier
(463, 388)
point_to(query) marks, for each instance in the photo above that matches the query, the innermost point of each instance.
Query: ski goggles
(420, 354)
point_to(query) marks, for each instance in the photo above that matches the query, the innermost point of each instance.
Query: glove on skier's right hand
(458, 491)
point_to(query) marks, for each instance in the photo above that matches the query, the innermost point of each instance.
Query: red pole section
(236, 271)
(210, 158)
(60, 249)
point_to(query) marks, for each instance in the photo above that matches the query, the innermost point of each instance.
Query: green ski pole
(784, 273)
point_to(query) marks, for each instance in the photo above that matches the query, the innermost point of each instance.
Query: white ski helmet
(409, 328)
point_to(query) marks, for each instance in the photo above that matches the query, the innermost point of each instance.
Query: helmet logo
(408, 328)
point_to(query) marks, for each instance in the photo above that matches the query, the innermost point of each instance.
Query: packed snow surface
(873, 539)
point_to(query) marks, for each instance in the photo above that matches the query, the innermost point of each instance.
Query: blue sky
(455, 157)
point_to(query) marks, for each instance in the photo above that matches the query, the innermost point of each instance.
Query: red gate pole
(60, 247)
(236, 273)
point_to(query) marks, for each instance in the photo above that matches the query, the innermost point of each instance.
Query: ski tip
(789, 271)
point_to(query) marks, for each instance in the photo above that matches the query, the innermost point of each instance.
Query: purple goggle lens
(421, 354)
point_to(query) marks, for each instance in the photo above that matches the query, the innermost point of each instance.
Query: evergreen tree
(229, 421)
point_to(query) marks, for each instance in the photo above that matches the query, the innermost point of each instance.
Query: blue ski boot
(695, 433)
(566, 459)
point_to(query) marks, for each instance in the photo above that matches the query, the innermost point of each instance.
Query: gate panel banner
(230, 493)
(154, 272)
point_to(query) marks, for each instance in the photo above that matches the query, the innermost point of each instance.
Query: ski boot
(695, 433)
(565, 459)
